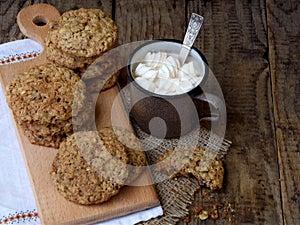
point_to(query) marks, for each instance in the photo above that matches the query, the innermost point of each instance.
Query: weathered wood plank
(283, 28)
(144, 20)
(9, 10)
(234, 40)
(8, 20)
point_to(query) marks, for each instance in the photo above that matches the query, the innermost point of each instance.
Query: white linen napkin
(17, 203)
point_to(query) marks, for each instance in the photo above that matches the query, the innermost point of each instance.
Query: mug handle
(217, 107)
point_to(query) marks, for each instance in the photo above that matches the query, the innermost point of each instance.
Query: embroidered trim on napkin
(19, 51)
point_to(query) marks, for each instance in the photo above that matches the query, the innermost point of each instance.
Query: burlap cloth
(175, 195)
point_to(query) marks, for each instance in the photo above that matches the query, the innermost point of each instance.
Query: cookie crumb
(203, 215)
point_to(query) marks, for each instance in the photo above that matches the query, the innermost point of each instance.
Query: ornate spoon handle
(193, 29)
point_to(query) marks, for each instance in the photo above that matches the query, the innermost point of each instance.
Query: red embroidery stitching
(20, 216)
(16, 58)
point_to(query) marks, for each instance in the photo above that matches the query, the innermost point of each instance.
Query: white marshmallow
(186, 85)
(156, 61)
(149, 58)
(173, 61)
(175, 84)
(150, 75)
(146, 84)
(141, 69)
(163, 83)
(164, 72)
(185, 69)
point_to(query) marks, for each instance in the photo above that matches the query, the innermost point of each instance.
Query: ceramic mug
(168, 116)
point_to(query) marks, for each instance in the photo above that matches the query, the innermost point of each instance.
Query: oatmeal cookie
(80, 166)
(45, 94)
(65, 59)
(44, 130)
(52, 141)
(84, 32)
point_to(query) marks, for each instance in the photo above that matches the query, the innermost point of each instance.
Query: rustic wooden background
(253, 49)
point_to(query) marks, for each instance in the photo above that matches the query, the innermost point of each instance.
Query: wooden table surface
(253, 49)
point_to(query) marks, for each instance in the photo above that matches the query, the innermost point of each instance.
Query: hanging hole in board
(40, 21)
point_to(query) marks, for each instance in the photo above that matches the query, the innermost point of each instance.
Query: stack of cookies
(79, 37)
(42, 100)
(92, 166)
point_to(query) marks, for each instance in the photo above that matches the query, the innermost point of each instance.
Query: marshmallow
(141, 69)
(173, 61)
(149, 58)
(164, 72)
(163, 84)
(146, 84)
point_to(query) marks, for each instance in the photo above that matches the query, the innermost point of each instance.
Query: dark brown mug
(168, 116)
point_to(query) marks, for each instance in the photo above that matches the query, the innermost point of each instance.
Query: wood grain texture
(8, 18)
(144, 20)
(233, 39)
(283, 36)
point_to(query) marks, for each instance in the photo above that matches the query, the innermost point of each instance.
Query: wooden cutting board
(52, 207)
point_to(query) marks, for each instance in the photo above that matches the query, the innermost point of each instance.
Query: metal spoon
(194, 26)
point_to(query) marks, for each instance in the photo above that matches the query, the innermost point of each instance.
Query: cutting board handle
(34, 21)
